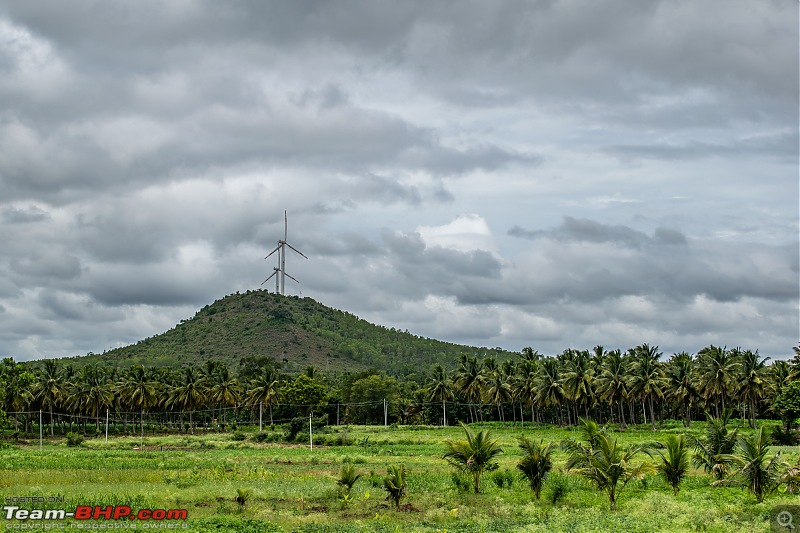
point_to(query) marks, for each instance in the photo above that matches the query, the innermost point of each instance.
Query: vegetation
(604, 463)
(474, 455)
(536, 464)
(293, 489)
(674, 463)
(395, 484)
(760, 476)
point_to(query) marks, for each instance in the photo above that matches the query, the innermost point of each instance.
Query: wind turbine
(281, 249)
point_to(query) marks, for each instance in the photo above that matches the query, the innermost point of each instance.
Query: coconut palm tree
(536, 463)
(474, 455)
(549, 387)
(604, 463)
(752, 381)
(680, 384)
(577, 380)
(646, 376)
(440, 389)
(50, 389)
(138, 391)
(264, 390)
(712, 452)
(612, 382)
(498, 391)
(761, 477)
(716, 369)
(92, 392)
(224, 389)
(469, 380)
(675, 462)
(188, 394)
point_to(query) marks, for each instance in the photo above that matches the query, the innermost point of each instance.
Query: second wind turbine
(280, 271)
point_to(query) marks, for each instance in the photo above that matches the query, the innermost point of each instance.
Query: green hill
(296, 332)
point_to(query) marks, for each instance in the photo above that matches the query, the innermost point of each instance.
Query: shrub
(558, 487)
(461, 482)
(238, 436)
(503, 478)
(74, 439)
(395, 484)
(536, 463)
(347, 478)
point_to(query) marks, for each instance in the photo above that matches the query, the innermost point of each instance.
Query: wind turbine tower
(280, 271)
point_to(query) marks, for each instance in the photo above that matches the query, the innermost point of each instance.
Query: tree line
(637, 386)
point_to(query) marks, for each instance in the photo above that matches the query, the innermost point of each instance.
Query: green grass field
(292, 488)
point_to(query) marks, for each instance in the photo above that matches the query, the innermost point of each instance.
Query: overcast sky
(552, 173)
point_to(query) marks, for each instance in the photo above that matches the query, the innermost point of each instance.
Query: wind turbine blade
(285, 226)
(288, 276)
(273, 251)
(270, 277)
(296, 250)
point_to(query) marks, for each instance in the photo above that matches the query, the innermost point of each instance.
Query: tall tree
(189, 393)
(716, 369)
(439, 389)
(752, 382)
(681, 384)
(138, 391)
(646, 376)
(264, 390)
(612, 382)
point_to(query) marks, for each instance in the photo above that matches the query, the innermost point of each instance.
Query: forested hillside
(296, 332)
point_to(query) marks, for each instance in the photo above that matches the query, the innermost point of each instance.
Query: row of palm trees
(633, 386)
(92, 390)
(609, 383)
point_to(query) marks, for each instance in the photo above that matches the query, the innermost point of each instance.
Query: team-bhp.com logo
(88, 512)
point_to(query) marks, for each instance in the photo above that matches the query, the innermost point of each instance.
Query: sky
(546, 173)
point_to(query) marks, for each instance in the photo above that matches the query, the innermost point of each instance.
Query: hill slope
(294, 331)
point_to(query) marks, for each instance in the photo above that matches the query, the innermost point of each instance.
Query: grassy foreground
(292, 488)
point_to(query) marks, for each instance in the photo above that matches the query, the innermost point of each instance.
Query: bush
(503, 478)
(74, 439)
(558, 486)
(239, 436)
(461, 482)
(785, 437)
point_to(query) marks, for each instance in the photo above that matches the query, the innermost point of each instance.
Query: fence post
(385, 414)
(106, 426)
(40, 429)
(260, 414)
(310, 435)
